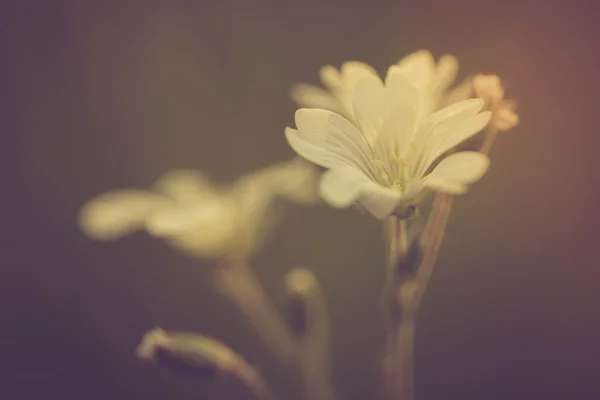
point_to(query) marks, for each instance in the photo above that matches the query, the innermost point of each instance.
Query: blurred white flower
(339, 86)
(386, 159)
(198, 217)
(490, 89)
(435, 79)
(418, 65)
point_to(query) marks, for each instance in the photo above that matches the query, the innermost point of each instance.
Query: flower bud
(186, 353)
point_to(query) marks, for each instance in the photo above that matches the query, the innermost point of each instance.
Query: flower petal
(295, 180)
(381, 201)
(116, 214)
(367, 99)
(354, 71)
(205, 230)
(313, 152)
(454, 172)
(177, 220)
(341, 187)
(334, 140)
(461, 92)
(185, 186)
(451, 113)
(445, 72)
(420, 67)
(448, 136)
(396, 132)
(330, 77)
(434, 126)
(310, 96)
(400, 90)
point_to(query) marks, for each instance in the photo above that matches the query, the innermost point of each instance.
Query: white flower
(489, 88)
(339, 84)
(434, 79)
(418, 65)
(198, 217)
(388, 158)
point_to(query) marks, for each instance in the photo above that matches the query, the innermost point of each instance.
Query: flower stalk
(408, 274)
(310, 324)
(490, 134)
(241, 285)
(399, 323)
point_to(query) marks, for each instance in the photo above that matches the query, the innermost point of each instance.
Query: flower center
(393, 173)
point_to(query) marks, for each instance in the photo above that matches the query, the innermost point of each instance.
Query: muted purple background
(102, 95)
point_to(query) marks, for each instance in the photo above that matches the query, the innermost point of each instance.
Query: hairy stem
(405, 357)
(397, 367)
(431, 241)
(406, 281)
(391, 234)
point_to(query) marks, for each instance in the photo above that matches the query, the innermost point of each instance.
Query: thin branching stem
(431, 241)
(308, 313)
(242, 286)
(404, 291)
(489, 138)
(255, 384)
(398, 324)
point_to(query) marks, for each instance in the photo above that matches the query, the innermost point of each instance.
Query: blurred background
(103, 95)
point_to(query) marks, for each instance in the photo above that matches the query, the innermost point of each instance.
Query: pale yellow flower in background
(389, 154)
(490, 89)
(339, 85)
(435, 79)
(198, 217)
(420, 66)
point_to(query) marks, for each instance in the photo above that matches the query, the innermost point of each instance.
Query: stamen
(385, 179)
(378, 163)
(394, 173)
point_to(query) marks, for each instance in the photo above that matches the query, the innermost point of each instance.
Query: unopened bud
(186, 353)
(301, 287)
(198, 355)
(490, 89)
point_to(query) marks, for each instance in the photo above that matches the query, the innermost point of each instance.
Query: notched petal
(119, 213)
(456, 171)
